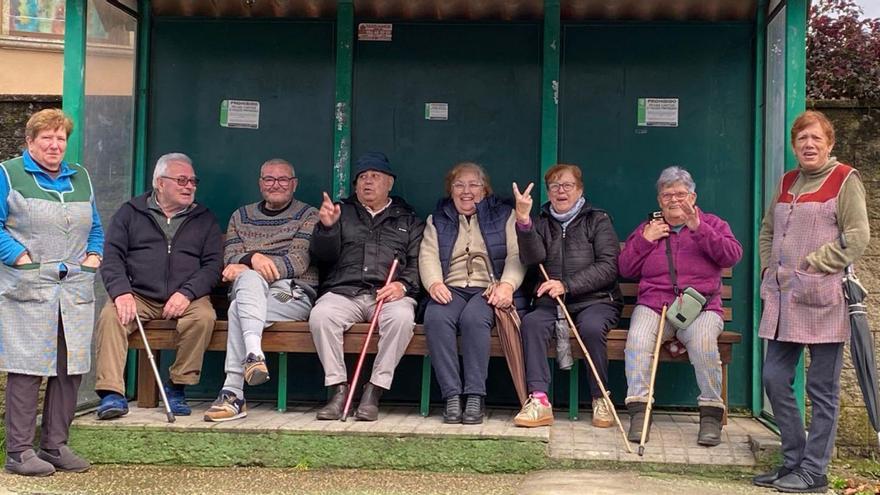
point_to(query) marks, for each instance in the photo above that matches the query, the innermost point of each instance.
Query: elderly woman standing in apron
(51, 244)
(802, 263)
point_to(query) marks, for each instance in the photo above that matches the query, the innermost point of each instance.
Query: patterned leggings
(700, 339)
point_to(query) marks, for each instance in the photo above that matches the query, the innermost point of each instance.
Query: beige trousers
(194, 329)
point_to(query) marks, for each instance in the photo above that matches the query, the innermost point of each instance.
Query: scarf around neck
(567, 217)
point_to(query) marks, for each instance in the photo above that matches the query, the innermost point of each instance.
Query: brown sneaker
(226, 407)
(602, 417)
(534, 414)
(255, 370)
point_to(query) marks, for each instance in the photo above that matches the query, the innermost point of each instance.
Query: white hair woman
(683, 248)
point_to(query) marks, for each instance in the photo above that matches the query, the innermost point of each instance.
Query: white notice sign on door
(242, 114)
(436, 111)
(658, 112)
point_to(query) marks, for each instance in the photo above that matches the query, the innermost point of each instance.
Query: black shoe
(452, 413)
(636, 421)
(710, 426)
(766, 480)
(333, 408)
(473, 410)
(802, 481)
(368, 409)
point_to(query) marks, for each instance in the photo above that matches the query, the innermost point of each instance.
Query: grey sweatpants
(334, 314)
(255, 305)
(811, 452)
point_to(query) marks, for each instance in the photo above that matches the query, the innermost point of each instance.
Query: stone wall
(14, 113)
(857, 129)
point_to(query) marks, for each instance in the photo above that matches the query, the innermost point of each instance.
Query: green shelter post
(795, 104)
(758, 205)
(342, 107)
(550, 91)
(139, 169)
(74, 87)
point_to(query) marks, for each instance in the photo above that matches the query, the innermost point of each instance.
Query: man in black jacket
(162, 255)
(355, 243)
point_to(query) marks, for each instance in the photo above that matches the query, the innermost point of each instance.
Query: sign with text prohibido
(658, 112)
(374, 31)
(241, 114)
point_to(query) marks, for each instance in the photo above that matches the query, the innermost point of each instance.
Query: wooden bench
(286, 337)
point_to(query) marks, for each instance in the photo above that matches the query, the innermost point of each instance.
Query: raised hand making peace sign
(523, 202)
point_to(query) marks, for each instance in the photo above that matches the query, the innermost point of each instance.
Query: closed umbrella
(507, 324)
(862, 343)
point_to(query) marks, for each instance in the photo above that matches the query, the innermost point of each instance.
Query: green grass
(307, 451)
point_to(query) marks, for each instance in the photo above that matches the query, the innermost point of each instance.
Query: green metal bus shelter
(621, 88)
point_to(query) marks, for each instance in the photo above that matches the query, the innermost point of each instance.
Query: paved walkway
(673, 437)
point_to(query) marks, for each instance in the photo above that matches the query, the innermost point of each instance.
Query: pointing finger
(528, 189)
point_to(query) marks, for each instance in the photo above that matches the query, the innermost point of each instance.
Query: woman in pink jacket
(697, 245)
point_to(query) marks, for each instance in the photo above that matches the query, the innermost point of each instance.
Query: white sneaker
(534, 414)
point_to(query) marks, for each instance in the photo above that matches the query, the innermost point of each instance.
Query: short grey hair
(676, 175)
(278, 161)
(163, 161)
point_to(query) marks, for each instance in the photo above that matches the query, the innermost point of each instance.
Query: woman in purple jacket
(700, 245)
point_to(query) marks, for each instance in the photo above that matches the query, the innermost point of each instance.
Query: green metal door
(489, 75)
(287, 67)
(606, 68)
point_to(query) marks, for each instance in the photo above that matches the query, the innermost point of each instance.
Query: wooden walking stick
(605, 396)
(373, 324)
(654, 362)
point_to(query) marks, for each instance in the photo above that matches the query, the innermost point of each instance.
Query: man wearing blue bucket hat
(355, 244)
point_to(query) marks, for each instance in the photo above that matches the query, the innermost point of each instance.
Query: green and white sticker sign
(241, 114)
(658, 112)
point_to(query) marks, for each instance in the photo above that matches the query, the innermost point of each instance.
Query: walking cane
(654, 363)
(168, 413)
(605, 396)
(360, 363)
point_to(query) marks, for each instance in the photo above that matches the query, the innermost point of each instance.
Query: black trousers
(22, 397)
(811, 452)
(593, 324)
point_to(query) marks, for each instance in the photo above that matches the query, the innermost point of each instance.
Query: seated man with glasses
(470, 221)
(355, 243)
(267, 260)
(162, 256)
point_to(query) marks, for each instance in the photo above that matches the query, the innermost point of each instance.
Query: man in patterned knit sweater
(266, 257)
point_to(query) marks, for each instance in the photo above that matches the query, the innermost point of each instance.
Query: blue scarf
(567, 217)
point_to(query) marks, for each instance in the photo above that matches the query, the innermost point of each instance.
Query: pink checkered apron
(802, 307)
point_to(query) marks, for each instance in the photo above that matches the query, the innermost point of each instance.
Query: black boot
(452, 413)
(636, 421)
(802, 481)
(767, 479)
(368, 409)
(333, 408)
(473, 410)
(710, 425)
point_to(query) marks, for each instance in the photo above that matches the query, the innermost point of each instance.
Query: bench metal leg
(131, 365)
(425, 401)
(573, 391)
(724, 392)
(147, 391)
(282, 381)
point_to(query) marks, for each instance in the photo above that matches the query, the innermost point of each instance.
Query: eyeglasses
(565, 186)
(677, 195)
(183, 181)
(281, 181)
(461, 186)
